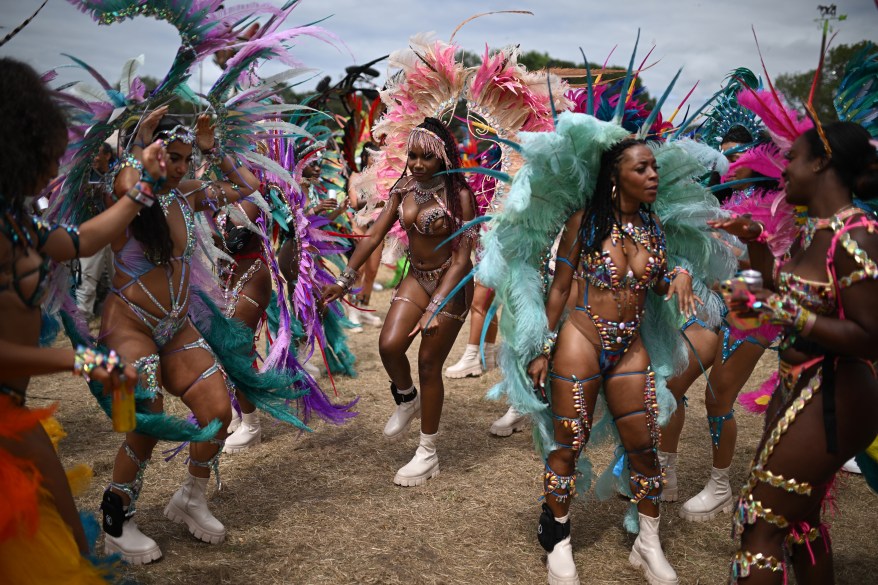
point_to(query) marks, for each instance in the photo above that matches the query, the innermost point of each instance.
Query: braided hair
(598, 220)
(454, 182)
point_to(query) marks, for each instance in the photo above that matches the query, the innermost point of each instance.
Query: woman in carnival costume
(602, 189)
(430, 208)
(750, 184)
(822, 409)
(41, 536)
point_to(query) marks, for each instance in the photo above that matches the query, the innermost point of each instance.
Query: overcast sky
(708, 38)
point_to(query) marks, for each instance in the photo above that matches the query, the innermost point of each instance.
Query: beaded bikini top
(601, 272)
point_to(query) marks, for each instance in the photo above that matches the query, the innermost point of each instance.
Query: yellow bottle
(123, 408)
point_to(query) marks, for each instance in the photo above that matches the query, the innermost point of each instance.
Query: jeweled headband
(179, 132)
(429, 142)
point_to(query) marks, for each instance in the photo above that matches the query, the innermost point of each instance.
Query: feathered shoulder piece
(856, 99)
(783, 122)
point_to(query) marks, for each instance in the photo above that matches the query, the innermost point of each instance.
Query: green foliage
(796, 86)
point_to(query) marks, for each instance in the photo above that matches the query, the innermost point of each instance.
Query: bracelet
(549, 344)
(677, 271)
(141, 193)
(132, 162)
(347, 278)
(804, 321)
(87, 359)
(754, 237)
(148, 179)
(435, 302)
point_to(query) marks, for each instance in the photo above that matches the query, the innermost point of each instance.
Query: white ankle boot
(469, 364)
(133, 546)
(647, 554)
(353, 315)
(559, 562)
(402, 416)
(668, 461)
(370, 318)
(423, 466)
(715, 498)
(248, 434)
(508, 423)
(188, 506)
(236, 422)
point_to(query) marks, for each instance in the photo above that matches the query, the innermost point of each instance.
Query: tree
(796, 86)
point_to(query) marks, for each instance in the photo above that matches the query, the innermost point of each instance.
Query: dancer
(360, 313)
(146, 319)
(429, 208)
(618, 248)
(41, 536)
(823, 410)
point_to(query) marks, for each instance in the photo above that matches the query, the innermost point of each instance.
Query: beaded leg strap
(132, 488)
(213, 462)
(148, 367)
(715, 426)
(552, 483)
(745, 561)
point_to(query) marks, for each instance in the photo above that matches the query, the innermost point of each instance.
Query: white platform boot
(188, 506)
(353, 315)
(408, 406)
(423, 466)
(132, 545)
(509, 423)
(668, 461)
(236, 422)
(469, 364)
(647, 554)
(248, 434)
(554, 536)
(715, 498)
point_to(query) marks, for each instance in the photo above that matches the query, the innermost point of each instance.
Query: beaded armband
(141, 193)
(869, 270)
(549, 344)
(677, 271)
(87, 359)
(347, 278)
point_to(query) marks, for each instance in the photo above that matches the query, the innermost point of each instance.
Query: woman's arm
(100, 230)
(210, 195)
(567, 258)
(367, 245)
(857, 334)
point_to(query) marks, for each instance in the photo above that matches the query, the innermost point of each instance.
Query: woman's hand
(324, 206)
(154, 157)
(686, 299)
(331, 293)
(426, 329)
(740, 225)
(115, 379)
(147, 127)
(204, 133)
(538, 371)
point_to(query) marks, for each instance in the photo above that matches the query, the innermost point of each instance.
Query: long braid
(598, 221)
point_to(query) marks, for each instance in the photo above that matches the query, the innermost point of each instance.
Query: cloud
(707, 38)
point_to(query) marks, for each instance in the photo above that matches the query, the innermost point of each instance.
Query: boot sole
(238, 448)
(473, 372)
(637, 562)
(175, 514)
(724, 508)
(142, 558)
(556, 580)
(506, 431)
(416, 481)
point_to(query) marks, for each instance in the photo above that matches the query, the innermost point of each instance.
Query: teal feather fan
(856, 99)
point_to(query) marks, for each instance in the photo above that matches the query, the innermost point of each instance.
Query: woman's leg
(631, 399)
(702, 347)
(470, 364)
(393, 342)
(250, 306)
(791, 474)
(729, 374)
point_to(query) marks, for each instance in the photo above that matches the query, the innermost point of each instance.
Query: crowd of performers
(600, 241)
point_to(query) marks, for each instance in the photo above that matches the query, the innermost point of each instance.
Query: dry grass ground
(321, 508)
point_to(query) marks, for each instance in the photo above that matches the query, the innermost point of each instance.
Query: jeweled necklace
(426, 191)
(818, 223)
